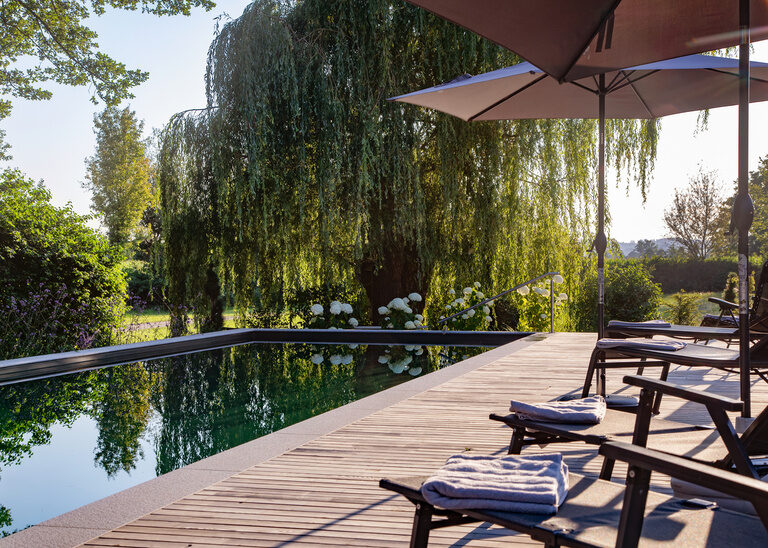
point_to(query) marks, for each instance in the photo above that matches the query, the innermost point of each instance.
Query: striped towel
(533, 484)
(649, 323)
(640, 344)
(582, 411)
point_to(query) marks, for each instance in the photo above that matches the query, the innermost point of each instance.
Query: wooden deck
(325, 492)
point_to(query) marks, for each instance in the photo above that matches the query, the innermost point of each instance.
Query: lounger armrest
(697, 396)
(730, 483)
(723, 304)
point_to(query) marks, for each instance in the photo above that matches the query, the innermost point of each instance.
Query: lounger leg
(633, 508)
(607, 470)
(421, 522)
(516, 443)
(590, 372)
(663, 377)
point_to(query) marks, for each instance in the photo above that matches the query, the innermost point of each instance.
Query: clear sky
(51, 139)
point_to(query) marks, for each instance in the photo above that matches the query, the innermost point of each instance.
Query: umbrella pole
(600, 239)
(743, 209)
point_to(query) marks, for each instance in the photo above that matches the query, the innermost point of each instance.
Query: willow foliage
(313, 177)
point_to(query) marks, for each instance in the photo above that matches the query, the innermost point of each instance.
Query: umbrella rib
(631, 84)
(582, 86)
(497, 103)
(580, 51)
(620, 77)
(736, 75)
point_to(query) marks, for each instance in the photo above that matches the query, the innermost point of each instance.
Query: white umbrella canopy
(572, 39)
(694, 82)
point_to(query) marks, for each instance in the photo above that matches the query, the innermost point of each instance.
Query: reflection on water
(70, 440)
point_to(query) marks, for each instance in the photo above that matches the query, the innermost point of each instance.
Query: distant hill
(627, 248)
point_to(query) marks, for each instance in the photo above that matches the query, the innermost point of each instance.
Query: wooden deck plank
(326, 493)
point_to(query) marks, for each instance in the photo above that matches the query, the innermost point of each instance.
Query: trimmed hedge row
(691, 275)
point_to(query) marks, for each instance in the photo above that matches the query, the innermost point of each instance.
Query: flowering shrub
(533, 305)
(477, 319)
(400, 313)
(336, 315)
(399, 359)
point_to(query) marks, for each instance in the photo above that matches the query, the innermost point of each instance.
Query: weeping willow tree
(299, 172)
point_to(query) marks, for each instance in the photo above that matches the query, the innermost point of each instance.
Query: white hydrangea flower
(353, 322)
(451, 291)
(464, 317)
(414, 371)
(486, 310)
(524, 290)
(408, 347)
(397, 367)
(562, 297)
(460, 301)
(335, 308)
(415, 297)
(447, 307)
(407, 360)
(335, 359)
(480, 295)
(346, 308)
(420, 317)
(488, 319)
(542, 316)
(538, 290)
(332, 328)
(383, 310)
(346, 359)
(352, 346)
(390, 326)
(467, 290)
(558, 279)
(316, 309)
(545, 292)
(383, 359)
(442, 317)
(406, 300)
(420, 351)
(408, 310)
(471, 313)
(417, 323)
(317, 359)
(410, 325)
(477, 284)
(398, 304)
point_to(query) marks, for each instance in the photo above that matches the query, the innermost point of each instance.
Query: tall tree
(692, 218)
(50, 41)
(118, 172)
(317, 178)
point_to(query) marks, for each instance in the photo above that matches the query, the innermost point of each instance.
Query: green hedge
(674, 275)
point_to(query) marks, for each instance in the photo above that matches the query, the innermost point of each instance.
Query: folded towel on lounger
(642, 344)
(534, 484)
(582, 411)
(649, 323)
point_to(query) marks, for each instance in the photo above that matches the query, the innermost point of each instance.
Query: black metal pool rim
(51, 365)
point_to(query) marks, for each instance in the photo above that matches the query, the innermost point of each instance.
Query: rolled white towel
(649, 323)
(642, 344)
(535, 484)
(582, 411)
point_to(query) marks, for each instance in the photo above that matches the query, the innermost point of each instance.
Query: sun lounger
(599, 513)
(723, 449)
(722, 327)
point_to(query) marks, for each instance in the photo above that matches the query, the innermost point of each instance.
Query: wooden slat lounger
(722, 448)
(600, 513)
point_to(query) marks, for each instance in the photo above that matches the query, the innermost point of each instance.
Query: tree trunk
(396, 273)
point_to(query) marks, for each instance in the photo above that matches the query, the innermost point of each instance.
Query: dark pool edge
(64, 363)
(94, 519)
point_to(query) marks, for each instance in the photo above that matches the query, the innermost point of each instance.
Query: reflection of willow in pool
(202, 403)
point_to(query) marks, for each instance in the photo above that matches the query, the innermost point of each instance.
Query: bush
(684, 309)
(477, 319)
(63, 288)
(691, 275)
(630, 295)
(143, 283)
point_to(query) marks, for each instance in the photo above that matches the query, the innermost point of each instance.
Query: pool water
(71, 440)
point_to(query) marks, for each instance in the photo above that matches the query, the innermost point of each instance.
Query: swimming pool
(70, 440)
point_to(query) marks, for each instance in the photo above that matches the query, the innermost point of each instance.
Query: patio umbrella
(570, 40)
(689, 83)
